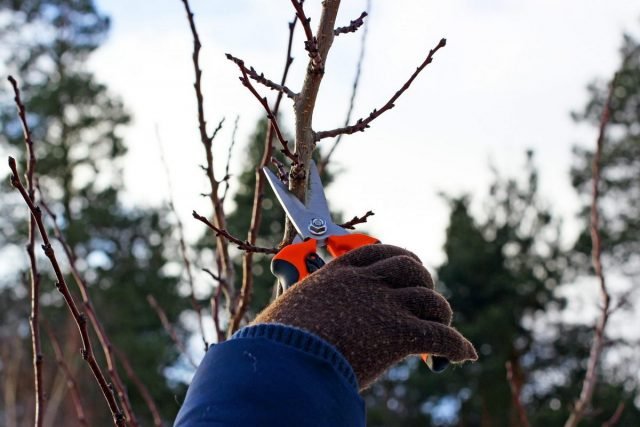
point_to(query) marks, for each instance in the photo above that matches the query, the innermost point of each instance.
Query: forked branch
(311, 42)
(105, 342)
(79, 317)
(218, 218)
(363, 123)
(265, 104)
(34, 276)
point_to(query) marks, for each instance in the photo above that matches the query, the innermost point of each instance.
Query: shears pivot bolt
(317, 226)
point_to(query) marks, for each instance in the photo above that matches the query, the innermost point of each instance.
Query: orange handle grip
(295, 262)
(340, 245)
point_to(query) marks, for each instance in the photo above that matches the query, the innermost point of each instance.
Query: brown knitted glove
(376, 305)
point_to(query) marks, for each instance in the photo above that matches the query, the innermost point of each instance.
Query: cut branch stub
(353, 25)
(350, 225)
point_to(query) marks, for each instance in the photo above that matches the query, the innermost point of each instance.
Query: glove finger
(369, 254)
(401, 271)
(424, 304)
(437, 339)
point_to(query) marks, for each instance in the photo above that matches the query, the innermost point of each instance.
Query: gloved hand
(376, 305)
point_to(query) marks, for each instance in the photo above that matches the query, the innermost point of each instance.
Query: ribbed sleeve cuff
(303, 341)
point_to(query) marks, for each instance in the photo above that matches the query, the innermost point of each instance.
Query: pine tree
(501, 269)
(620, 183)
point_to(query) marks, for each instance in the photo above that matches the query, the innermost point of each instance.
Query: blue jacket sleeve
(273, 375)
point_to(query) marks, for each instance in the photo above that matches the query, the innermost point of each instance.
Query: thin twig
(79, 317)
(166, 324)
(590, 379)
(356, 220)
(71, 382)
(311, 43)
(242, 244)
(215, 303)
(322, 164)
(260, 78)
(105, 342)
(265, 104)
(142, 389)
(34, 279)
(227, 175)
(352, 27)
(615, 418)
(363, 124)
(516, 387)
(218, 209)
(258, 195)
(181, 241)
(280, 170)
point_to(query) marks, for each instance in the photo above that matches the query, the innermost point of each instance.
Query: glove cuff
(304, 341)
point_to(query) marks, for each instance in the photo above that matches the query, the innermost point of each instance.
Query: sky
(506, 81)
(510, 75)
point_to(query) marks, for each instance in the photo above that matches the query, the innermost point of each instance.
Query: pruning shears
(316, 229)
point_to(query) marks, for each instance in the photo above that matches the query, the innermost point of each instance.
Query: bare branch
(363, 124)
(258, 195)
(183, 247)
(282, 173)
(71, 382)
(322, 164)
(516, 387)
(215, 303)
(311, 44)
(243, 245)
(306, 102)
(34, 276)
(615, 418)
(590, 379)
(218, 209)
(260, 78)
(166, 324)
(227, 175)
(356, 220)
(142, 389)
(265, 104)
(352, 27)
(105, 343)
(79, 317)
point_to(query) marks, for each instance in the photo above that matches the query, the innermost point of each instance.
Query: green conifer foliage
(502, 267)
(620, 182)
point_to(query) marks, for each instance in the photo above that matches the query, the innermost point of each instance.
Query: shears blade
(316, 210)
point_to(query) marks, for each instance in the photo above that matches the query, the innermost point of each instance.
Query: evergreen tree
(620, 170)
(122, 252)
(500, 272)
